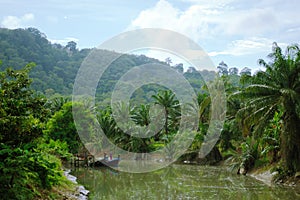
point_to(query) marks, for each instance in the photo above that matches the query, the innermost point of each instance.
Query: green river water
(179, 182)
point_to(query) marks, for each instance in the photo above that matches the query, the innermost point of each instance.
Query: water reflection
(178, 182)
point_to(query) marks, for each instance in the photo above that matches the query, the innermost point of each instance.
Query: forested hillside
(57, 65)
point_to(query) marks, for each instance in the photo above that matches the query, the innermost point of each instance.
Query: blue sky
(239, 32)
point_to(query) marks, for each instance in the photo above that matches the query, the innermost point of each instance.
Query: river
(178, 182)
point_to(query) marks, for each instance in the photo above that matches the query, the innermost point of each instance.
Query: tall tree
(179, 68)
(71, 46)
(222, 68)
(168, 101)
(233, 71)
(245, 71)
(277, 88)
(168, 61)
(22, 111)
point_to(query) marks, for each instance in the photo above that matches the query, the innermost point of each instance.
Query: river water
(178, 182)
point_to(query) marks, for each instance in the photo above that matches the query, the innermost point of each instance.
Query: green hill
(57, 65)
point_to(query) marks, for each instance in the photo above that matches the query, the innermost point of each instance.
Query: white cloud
(296, 29)
(148, 17)
(63, 41)
(255, 22)
(211, 3)
(218, 19)
(245, 47)
(13, 22)
(193, 22)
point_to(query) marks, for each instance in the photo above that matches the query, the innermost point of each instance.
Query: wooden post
(77, 160)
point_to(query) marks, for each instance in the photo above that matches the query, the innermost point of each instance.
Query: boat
(110, 162)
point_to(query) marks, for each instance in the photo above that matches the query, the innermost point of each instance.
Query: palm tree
(276, 89)
(168, 101)
(57, 103)
(107, 123)
(140, 115)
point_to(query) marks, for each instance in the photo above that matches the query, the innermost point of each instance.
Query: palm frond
(260, 89)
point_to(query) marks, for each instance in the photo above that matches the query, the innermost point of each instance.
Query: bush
(26, 171)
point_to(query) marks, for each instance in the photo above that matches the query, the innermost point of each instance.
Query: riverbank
(266, 176)
(65, 191)
(78, 192)
(263, 174)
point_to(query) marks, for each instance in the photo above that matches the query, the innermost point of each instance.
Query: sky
(238, 32)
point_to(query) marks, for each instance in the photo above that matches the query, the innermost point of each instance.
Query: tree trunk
(290, 142)
(166, 122)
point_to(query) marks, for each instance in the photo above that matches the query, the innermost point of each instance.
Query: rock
(242, 171)
(69, 176)
(274, 173)
(297, 175)
(81, 192)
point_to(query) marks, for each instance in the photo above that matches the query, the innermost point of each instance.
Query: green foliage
(197, 79)
(54, 147)
(140, 115)
(57, 65)
(25, 170)
(276, 88)
(230, 133)
(271, 138)
(62, 127)
(281, 173)
(55, 69)
(250, 152)
(245, 156)
(262, 119)
(107, 122)
(167, 99)
(28, 164)
(119, 137)
(56, 102)
(197, 142)
(22, 111)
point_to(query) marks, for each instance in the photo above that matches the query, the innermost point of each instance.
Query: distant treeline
(57, 65)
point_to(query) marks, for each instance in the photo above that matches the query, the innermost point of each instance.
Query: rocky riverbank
(79, 193)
